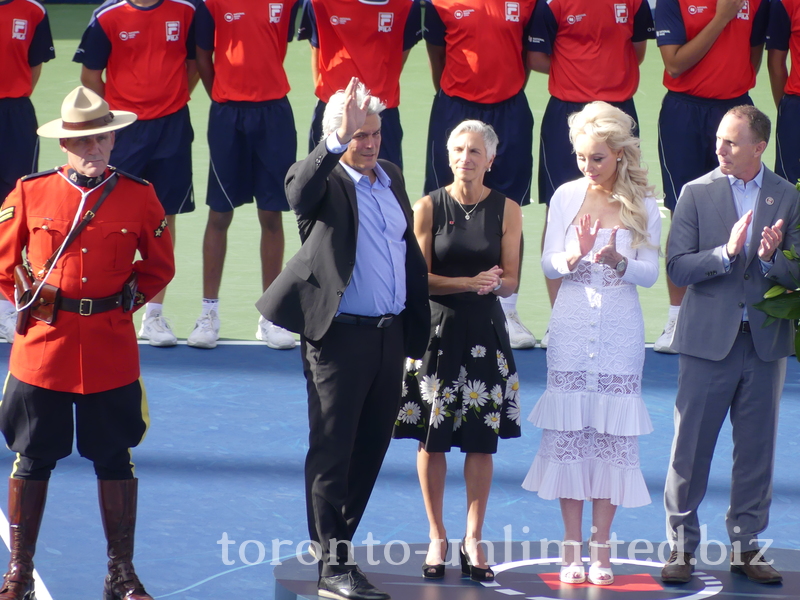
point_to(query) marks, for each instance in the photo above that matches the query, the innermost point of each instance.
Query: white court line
(41, 590)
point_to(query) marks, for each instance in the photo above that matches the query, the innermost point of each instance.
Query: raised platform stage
(527, 571)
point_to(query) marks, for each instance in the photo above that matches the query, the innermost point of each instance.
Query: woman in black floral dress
(465, 391)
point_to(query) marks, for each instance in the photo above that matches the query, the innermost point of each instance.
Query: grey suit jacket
(305, 296)
(712, 309)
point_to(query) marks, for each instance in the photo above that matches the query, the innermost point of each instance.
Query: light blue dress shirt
(378, 284)
(745, 197)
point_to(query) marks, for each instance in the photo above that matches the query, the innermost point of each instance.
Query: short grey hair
(486, 131)
(332, 119)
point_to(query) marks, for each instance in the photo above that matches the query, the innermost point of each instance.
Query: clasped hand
(485, 282)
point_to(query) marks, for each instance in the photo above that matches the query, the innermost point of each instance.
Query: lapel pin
(770, 200)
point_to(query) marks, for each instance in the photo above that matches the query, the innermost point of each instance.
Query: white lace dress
(592, 410)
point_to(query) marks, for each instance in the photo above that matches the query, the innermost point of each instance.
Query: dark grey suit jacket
(712, 309)
(305, 296)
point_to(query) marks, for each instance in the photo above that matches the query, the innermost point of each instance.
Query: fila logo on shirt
(19, 29)
(512, 11)
(621, 13)
(173, 31)
(127, 35)
(275, 12)
(385, 22)
(231, 17)
(744, 13)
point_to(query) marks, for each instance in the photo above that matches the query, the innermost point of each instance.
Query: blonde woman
(603, 240)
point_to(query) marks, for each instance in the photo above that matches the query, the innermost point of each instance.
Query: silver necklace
(468, 213)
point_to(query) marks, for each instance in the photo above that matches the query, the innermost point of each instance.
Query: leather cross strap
(88, 216)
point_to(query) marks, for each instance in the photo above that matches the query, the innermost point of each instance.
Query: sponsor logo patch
(275, 12)
(173, 31)
(621, 13)
(385, 22)
(512, 11)
(19, 29)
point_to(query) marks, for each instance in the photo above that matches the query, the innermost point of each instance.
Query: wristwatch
(621, 266)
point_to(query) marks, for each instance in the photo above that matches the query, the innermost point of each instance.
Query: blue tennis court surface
(221, 479)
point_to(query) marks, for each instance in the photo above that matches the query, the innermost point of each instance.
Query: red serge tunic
(95, 353)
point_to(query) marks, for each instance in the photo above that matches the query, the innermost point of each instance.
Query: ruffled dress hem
(587, 480)
(607, 413)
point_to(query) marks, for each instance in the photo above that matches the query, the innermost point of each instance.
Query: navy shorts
(687, 139)
(38, 425)
(160, 151)
(787, 139)
(512, 169)
(20, 157)
(391, 133)
(557, 164)
(252, 145)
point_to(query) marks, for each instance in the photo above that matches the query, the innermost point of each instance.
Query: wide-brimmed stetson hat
(85, 113)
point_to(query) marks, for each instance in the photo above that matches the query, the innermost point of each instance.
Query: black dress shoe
(352, 585)
(679, 567)
(757, 570)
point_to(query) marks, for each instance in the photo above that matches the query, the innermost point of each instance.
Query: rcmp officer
(81, 349)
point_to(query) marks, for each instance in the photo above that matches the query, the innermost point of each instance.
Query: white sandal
(574, 572)
(599, 575)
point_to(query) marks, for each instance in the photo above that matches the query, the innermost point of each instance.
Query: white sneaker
(206, 331)
(545, 340)
(664, 342)
(520, 336)
(8, 326)
(157, 330)
(274, 336)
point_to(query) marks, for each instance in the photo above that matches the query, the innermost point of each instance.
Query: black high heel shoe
(436, 571)
(469, 570)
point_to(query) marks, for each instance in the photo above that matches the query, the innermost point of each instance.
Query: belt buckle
(85, 307)
(385, 321)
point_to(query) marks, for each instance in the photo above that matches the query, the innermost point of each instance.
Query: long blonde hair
(605, 123)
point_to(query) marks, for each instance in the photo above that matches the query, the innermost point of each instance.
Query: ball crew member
(140, 56)
(25, 43)
(87, 354)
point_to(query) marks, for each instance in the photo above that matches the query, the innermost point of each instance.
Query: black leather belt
(379, 322)
(744, 327)
(91, 306)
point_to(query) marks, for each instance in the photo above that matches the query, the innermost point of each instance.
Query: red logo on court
(641, 582)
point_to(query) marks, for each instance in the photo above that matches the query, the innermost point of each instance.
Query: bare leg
(432, 469)
(272, 243)
(478, 477)
(571, 554)
(572, 514)
(159, 297)
(215, 246)
(602, 516)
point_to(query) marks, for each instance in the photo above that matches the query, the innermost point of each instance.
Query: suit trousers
(354, 377)
(750, 389)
